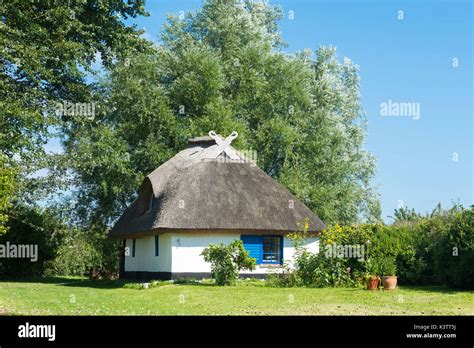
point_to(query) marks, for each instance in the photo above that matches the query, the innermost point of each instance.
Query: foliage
(434, 249)
(371, 268)
(48, 47)
(222, 68)
(404, 214)
(227, 260)
(454, 250)
(49, 53)
(317, 270)
(30, 226)
(79, 252)
(313, 269)
(387, 266)
(7, 186)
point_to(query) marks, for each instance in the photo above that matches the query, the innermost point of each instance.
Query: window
(156, 246)
(271, 249)
(145, 198)
(265, 249)
(133, 247)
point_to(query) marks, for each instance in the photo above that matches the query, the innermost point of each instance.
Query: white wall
(289, 250)
(145, 259)
(186, 250)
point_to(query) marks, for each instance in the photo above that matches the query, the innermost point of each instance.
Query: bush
(82, 253)
(454, 251)
(29, 226)
(227, 260)
(387, 266)
(431, 250)
(313, 269)
(285, 279)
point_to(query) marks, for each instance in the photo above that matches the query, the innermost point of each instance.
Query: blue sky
(407, 60)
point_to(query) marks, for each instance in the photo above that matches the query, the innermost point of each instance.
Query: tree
(31, 226)
(227, 260)
(222, 68)
(48, 50)
(7, 186)
(404, 214)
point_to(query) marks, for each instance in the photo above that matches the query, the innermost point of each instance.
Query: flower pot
(389, 282)
(372, 283)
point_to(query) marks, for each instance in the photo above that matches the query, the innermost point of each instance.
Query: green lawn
(75, 296)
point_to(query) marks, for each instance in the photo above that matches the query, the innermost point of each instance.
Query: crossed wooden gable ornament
(223, 145)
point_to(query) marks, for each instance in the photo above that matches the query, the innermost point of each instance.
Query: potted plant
(388, 270)
(372, 280)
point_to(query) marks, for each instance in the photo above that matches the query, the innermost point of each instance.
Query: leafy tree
(48, 50)
(222, 68)
(7, 186)
(227, 260)
(404, 214)
(452, 245)
(30, 225)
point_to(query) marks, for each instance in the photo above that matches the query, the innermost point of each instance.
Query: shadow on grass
(434, 288)
(73, 282)
(96, 284)
(124, 283)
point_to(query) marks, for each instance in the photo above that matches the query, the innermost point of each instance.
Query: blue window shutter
(133, 247)
(281, 249)
(254, 245)
(156, 246)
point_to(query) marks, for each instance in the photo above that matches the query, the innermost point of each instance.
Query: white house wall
(187, 248)
(181, 253)
(289, 251)
(145, 259)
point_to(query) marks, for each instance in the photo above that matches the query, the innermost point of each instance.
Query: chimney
(204, 142)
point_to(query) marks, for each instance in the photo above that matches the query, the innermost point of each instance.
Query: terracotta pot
(389, 282)
(373, 283)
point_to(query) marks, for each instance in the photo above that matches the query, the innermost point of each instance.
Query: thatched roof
(195, 191)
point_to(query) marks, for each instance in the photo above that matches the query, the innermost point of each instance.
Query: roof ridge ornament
(222, 146)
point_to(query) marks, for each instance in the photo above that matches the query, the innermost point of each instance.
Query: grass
(77, 296)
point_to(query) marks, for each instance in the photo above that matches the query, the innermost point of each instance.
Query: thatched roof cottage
(209, 193)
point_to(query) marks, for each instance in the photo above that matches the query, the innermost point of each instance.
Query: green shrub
(387, 266)
(285, 279)
(227, 260)
(314, 269)
(431, 250)
(454, 250)
(29, 226)
(80, 252)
